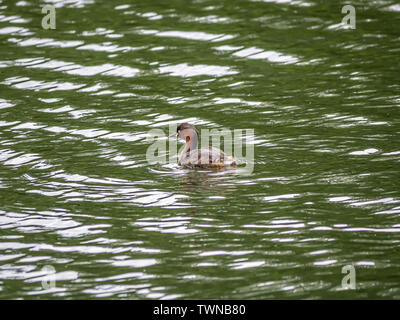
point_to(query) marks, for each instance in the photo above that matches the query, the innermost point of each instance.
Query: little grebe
(203, 158)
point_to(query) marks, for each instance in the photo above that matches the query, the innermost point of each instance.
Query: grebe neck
(191, 142)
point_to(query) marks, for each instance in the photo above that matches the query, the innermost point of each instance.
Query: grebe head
(189, 133)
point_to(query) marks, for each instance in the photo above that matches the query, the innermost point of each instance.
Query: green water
(76, 190)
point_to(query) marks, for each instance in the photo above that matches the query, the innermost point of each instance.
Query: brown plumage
(202, 158)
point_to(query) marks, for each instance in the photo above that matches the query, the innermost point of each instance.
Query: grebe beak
(173, 135)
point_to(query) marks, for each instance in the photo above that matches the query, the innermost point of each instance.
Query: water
(78, 195)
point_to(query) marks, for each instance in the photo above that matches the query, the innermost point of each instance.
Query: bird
(190, 156)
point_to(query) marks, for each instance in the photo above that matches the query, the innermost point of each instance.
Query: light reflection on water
(77, 193)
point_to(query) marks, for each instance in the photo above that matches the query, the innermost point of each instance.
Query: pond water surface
(78, 195)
